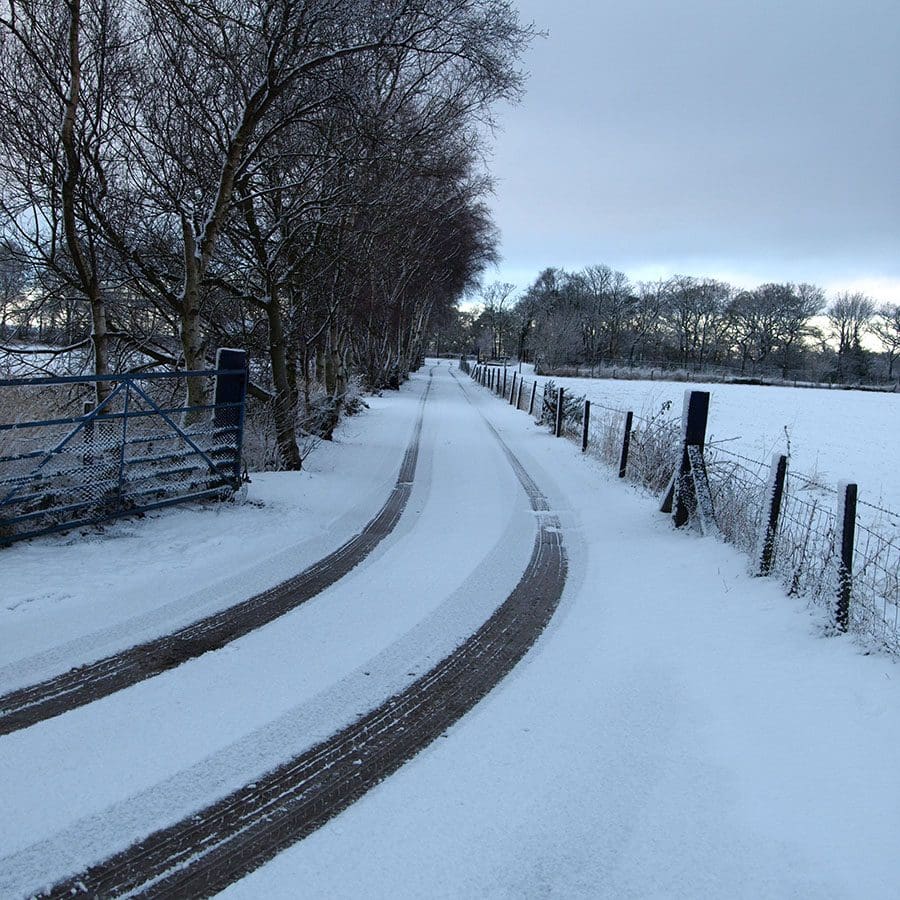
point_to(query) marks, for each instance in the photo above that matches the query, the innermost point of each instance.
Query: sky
(749, 141)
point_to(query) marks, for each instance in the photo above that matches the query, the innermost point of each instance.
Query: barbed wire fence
(843, 560)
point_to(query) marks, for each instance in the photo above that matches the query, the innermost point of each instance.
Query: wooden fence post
(774, 496)
(694, 415)
(846, 521)
(519, 397)
(503, 392)
(558, 430)
(626, 444)
(512, 390)
(585, 425)
(531, 403)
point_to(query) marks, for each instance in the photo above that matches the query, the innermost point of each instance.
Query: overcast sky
(753, 141)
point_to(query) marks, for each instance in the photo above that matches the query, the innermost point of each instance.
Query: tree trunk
(284, 407)
(86, 276)
(192, 342)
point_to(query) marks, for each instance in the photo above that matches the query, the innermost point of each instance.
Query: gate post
(231, 389)
(558, 429)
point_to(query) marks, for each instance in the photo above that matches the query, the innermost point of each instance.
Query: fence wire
(806, 546)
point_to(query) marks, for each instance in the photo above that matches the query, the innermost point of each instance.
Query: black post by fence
(231, 389)
(626, 444)
(690, 475)
(512, 390)
(503, 392)
(519, 396)
(531, 402)
(558, 429)
(585, 425)
(775, 495)
(847, 522)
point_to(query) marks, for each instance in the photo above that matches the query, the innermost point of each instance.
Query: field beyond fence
(823, 543)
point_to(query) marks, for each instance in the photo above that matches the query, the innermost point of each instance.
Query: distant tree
(645, 325)
(771, 321)
(849, 316)
(540, 296)
(496, 301)
(801, 305)
(886, 327)
(13, 279)
(695, 309)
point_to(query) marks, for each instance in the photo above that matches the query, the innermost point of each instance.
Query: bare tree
(886, 327)
(59, 75)
(496, 301)
(849, 315)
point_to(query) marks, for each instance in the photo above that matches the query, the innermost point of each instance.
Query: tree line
(299, 178)
(598, 316)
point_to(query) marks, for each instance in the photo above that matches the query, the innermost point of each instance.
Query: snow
(834, 434)
(679, 730)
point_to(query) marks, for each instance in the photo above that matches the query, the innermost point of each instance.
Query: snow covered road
(679, 730)
(157, 751)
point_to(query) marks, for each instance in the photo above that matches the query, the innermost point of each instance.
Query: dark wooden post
(585, 425)
(231, 389)
(558, 430)
(512, 390)
(531, 402)
(626, 444)
(846, 521)
(694, 415)
(503, 392)
(774, 495)
(519, 397)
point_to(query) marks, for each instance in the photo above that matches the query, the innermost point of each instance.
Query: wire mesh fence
(67, 461)
(806, 546)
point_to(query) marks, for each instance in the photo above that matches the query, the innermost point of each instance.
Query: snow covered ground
(680, 730)
(834, 435)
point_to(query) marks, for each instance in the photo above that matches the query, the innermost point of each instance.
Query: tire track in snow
(82, 685)
(205, 852)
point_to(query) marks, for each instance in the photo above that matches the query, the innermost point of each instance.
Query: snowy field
(679, 730)
(834, 435)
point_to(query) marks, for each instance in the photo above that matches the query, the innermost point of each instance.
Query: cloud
(752, 136)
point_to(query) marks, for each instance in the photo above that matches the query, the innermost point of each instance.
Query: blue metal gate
(140, 449)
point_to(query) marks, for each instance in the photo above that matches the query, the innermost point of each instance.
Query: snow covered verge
(680, 730)
(805, 549)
